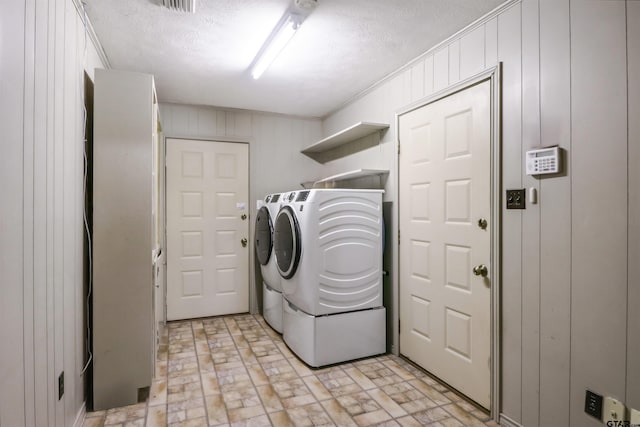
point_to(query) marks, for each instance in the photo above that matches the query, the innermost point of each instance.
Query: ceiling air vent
(181, 5)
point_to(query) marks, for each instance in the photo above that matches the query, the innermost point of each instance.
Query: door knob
(480, 270)
(244, 242)
(243, 217)
(482, 223)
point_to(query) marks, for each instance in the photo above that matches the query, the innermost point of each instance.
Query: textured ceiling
(341, 49)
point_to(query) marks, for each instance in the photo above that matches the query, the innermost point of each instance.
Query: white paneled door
(207, 228)
(445, 206)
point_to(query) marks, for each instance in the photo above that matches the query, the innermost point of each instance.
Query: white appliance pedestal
(272, 307)
(335, 338)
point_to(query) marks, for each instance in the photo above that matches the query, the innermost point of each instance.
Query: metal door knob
(244, 242)
(482, 223)
(243, 217)
(481, 270)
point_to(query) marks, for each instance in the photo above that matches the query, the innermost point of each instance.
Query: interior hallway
(235, 370)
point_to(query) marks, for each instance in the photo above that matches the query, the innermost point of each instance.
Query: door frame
(493, 75)
(250, 267)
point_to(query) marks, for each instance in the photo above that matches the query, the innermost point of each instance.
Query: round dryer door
(264, 234)
(286, 236)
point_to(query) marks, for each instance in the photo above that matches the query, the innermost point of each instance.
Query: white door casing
(207, 196)
(444, 191)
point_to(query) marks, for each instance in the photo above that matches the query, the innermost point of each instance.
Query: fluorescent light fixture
(279, 38)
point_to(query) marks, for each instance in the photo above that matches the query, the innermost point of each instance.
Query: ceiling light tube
(275, 43)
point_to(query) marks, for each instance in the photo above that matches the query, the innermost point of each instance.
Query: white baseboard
(508, 422)
(81, 414)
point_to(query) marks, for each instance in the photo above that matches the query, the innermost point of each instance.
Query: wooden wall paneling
(16, 286)
(633, 147)
(221, 122)
(406, 86)
(243, 124)
(491, 43)
(32, 225)
(555, 215)
(66, 41)
(454, 62)
(428, 76)
(180, 121)
(417, 81)
(207, 122)
(599, 202)
(509, 53)
(530, 218)
(230, 123)
(472, 51)
(441, 69)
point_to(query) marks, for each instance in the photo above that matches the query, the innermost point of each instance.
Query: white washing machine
(328, 245)
(272, 307)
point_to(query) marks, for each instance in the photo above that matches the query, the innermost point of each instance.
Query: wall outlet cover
(593, 404)
(516, 199)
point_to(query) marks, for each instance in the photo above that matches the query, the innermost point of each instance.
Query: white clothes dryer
(328, 245)
(271, 287)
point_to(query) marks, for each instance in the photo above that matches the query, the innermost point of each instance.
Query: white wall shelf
(352, 133)
(357, 173)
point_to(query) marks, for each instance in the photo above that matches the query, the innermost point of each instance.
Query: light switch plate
(613, 410)
(635, 417)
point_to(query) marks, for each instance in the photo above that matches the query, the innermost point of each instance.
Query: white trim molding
(508, 422)
(88, 27)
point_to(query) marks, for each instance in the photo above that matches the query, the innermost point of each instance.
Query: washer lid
(264, 234)
(286, 235)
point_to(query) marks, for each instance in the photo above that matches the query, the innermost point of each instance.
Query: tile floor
(235, 370)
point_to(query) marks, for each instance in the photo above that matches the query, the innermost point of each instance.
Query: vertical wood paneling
(428, 76)
(441, 69)
(530, 219)
(454, 62)
(221, 122)
(633, 75)
(39, 70)
(206, 122)
(555, 215)
(12, 227)
(599, 201)
(417, 81)
(472, 52)
(491, 43)
(509, 53)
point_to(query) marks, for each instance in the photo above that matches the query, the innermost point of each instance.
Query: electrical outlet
(593, 404)
(516, 199)
(61, 385)
(613, 411)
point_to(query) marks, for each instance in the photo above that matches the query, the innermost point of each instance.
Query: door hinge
(398, 148)
(399, 326)
(398, 237)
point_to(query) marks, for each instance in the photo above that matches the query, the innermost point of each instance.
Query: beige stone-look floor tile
(209, 383)
(360, 378)
(463, 416)
(281, 419)
(198, 422)
(317, 388)
(205, 362)
(408, 421)
(338, 414)
(242, 414)
(371, 418)
(398, 370)
(235, 370)
(309, 415)
(93, 422)
(158, 393)
(431, 415)
(157, 416)
(387, 403)
(449, 422)
(216, 409)
(437, 397)
(270, 399)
